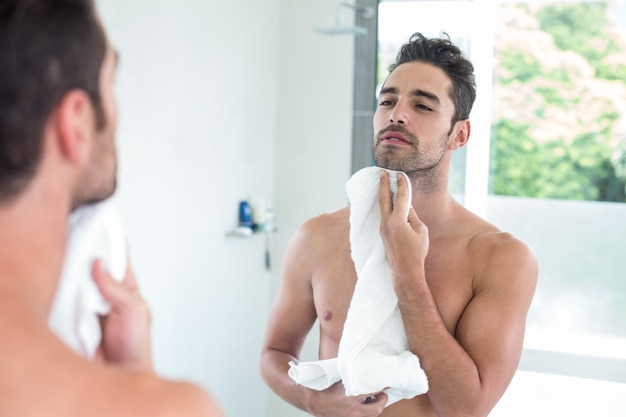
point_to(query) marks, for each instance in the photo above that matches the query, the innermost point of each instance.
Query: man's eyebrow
(430, 96)
(388, 90)
(414, 93)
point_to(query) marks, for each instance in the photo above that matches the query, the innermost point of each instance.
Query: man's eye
(385, 103)
(423, 107)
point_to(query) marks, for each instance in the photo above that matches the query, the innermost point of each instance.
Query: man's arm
(126, 343)
(126, 329)
(291, 318)
(469, 371)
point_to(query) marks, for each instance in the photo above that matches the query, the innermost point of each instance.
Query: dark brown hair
(443, 54)
(47, 48)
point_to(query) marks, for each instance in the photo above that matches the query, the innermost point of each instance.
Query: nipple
(327, 315)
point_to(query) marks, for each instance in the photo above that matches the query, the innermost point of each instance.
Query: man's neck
(434, 208)
(431, 199)
(32, 236)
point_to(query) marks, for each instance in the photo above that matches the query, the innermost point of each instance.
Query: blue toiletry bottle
(245, 214)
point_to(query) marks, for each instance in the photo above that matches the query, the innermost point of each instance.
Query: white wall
(221, 101)
(197, 92)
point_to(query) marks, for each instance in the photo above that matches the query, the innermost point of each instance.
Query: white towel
(373, 351)
(95, 232)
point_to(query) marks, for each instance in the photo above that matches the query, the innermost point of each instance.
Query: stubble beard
(421, 165)
(94, 185)
(90, 193)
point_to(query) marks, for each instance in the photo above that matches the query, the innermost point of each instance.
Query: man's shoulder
(327, 222)
(319, 234)
(480, 233)
(488, 237)
(498, 254)
(32, 358)
(491, 246)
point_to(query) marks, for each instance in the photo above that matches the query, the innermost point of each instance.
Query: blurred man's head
(50, 49)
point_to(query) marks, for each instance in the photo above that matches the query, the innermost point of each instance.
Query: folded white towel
(373, 351)
(95, 232)
(317, 375)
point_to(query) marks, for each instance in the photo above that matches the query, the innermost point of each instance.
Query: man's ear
(460, 134)
(75, 125)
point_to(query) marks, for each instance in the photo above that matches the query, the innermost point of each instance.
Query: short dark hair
(443, 54)
(47, 48)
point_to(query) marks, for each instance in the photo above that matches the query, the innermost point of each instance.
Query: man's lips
(395, 138)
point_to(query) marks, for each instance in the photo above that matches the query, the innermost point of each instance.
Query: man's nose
(399, 113)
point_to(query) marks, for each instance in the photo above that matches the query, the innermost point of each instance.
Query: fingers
(384, 194)
(402, 200)
(126, 328)
(374, 403)
(413, 219)
(112, 291)
(369, 399)
(376, 396)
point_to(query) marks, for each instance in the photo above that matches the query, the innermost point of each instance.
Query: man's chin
(389, 163)
(83, 199)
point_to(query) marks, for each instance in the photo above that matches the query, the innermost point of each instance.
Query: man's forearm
(274, 370)
(454, 381)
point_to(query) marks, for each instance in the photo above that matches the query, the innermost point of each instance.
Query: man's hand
(405, 237)
(333, 402)
(126, 329)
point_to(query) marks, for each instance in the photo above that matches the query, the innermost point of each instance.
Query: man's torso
(451, 264)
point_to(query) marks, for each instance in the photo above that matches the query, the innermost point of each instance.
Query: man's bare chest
(448, 271)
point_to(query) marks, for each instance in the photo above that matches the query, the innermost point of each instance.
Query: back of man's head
(47, 48)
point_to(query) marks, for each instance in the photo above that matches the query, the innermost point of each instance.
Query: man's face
(412, 121)
(99, 180)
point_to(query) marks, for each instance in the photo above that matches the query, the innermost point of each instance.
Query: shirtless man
(57, 152)
(463, 286)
